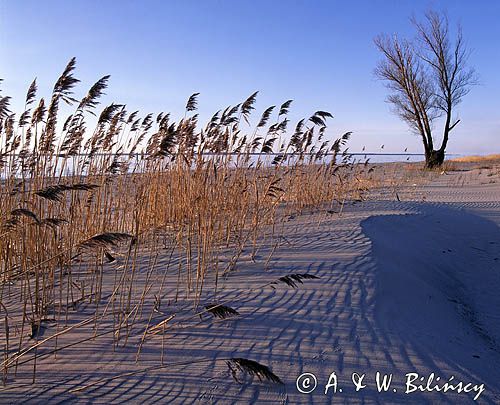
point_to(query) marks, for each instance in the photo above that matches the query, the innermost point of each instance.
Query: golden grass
(87, 216)
(476, 158)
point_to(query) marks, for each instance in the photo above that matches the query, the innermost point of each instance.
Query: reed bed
(103, 219)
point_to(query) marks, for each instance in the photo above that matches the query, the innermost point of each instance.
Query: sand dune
(436, 288)
(404, 286)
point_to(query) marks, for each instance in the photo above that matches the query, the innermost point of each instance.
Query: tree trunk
(434, 158)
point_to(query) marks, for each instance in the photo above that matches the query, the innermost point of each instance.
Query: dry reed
(85, 215)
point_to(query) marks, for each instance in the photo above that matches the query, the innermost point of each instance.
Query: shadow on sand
(437, 282)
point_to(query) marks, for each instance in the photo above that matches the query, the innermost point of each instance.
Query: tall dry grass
(106, 217)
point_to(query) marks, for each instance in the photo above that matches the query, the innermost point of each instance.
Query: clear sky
(319, 53)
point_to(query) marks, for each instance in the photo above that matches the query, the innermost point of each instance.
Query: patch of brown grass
(477, 158)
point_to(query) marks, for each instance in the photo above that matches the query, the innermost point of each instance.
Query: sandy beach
(406, 284)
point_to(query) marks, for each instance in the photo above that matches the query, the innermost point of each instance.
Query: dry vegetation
(477, 159)
(86, 216)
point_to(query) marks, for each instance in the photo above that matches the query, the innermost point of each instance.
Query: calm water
(267, 158)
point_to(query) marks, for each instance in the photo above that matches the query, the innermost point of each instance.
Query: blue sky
(319, 53)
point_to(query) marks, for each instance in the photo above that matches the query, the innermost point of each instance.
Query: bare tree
(427, 79)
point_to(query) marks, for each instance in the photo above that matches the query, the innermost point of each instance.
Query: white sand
(405, 286)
